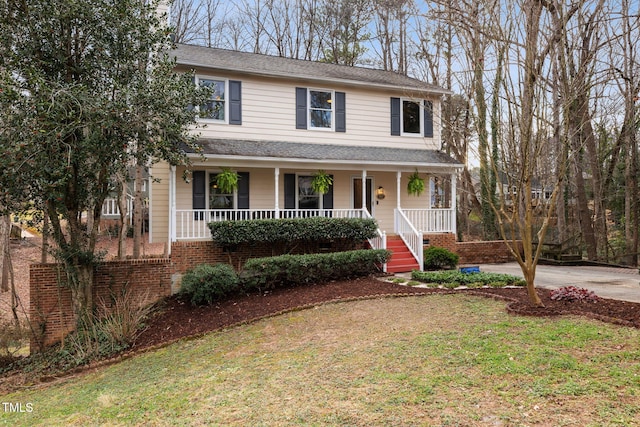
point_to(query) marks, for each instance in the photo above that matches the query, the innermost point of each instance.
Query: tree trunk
(122, 207)
(5, 233)
(45, 238)
(138, 203)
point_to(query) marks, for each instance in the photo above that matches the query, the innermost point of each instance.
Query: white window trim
(320, 196)
(211, 174)
(420, 103)
(333, 109)
(226, 100)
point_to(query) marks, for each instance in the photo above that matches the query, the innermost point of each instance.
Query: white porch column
(398, 181)
(276, 205)
(172, 207)
(364, 190)
(454, 202)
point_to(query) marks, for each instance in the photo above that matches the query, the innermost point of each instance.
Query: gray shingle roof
(280, 150)
(275, 66)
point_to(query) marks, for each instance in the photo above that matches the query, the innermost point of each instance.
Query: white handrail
(378, 242)
(411, 237)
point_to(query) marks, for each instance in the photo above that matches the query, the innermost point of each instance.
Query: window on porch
(440, 190)
(218, 199)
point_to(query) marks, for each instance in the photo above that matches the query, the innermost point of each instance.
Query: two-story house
(278, 121)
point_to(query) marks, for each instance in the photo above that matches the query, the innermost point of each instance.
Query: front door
(357, 194)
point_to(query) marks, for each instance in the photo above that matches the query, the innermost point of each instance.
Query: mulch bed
(178, 319)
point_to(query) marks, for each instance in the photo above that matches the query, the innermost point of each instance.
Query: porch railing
(431, 220)
(110, 207)
(411, 237)
(192, 224)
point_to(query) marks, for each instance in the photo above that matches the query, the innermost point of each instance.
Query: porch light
(380, 194)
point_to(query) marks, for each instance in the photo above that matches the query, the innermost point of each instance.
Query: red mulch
(178, 319)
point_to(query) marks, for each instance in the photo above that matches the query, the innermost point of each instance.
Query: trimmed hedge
(287, 230)
(206, 283)
(456, 278)
(293, 270)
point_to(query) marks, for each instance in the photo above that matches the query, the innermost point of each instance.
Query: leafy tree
(86, 87)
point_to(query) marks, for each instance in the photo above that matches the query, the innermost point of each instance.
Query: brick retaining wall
(490, 252)
(51, 309)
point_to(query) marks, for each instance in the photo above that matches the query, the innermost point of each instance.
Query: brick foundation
(186, 255)
(51, 309)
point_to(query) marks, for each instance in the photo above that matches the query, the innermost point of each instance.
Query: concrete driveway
(606, 282)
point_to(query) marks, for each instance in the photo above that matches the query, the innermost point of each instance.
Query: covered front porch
(287, 190)
(275, 182)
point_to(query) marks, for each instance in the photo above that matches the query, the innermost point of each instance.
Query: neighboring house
(277, 121)
(111, 210)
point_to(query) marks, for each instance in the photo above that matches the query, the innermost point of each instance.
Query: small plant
(205, 283)
(573, 293)
(321, 182)
(14, 338)
(415, 186)
(436, 258)
(227, 181)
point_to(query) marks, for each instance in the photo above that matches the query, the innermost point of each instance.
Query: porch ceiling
(336, 156)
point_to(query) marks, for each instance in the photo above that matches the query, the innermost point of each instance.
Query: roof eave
(356, 83)
(334, 164)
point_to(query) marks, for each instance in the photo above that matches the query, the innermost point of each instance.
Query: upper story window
(320, 109)
(411, 118)
(215, 108)
(224, 104)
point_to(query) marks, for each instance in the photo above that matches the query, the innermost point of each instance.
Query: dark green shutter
(301, 108)
(199, 192)
(235, 102)
(290, 189)
(341, 114)
(327, 198)
(395, 116)
(243, 190)
(428, 119)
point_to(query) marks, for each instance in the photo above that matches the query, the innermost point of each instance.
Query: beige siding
(159, 203)
(268, 113)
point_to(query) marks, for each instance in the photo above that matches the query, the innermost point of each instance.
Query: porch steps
(401, 259)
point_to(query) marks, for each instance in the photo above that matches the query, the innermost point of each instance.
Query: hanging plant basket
(227, 181)
(415, 187)
(321, 182)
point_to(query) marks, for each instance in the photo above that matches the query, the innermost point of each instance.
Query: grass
(436, 360)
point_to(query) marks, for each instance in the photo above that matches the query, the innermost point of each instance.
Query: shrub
(115, 327)
(205, 283)
(455, 279)
(14, 339)
(572, 293)
(292, 270)
(288, 230)
(436, 258)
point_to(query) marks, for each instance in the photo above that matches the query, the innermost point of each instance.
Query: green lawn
(434, 360)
